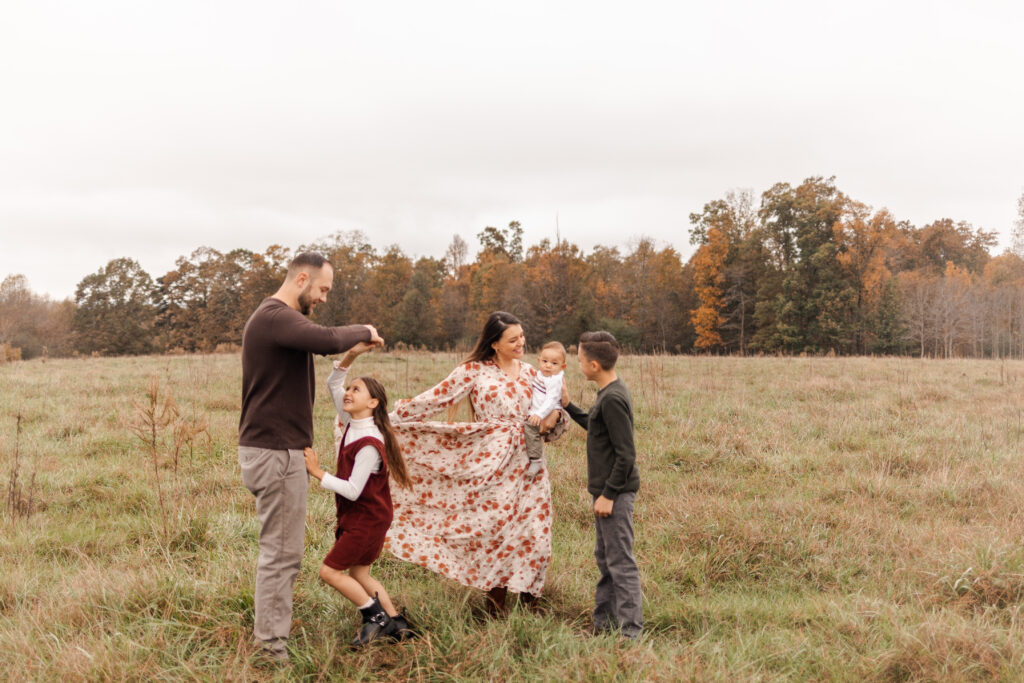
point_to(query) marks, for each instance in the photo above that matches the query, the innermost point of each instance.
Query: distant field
(805, 518)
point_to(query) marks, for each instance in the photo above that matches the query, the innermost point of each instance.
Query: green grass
(799, 518)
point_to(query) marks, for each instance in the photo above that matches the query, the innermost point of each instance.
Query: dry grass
(798, 519)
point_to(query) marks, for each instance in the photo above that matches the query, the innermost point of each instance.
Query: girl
(368, 453)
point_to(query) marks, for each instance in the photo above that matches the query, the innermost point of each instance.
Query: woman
(473, 514)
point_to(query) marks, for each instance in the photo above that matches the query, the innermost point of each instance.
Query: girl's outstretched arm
(336, 380)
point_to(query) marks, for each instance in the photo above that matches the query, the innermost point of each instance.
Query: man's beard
(305, 301)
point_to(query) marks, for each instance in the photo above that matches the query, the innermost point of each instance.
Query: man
(277, 424)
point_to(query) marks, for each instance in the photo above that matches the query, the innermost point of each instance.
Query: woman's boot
(494, 601)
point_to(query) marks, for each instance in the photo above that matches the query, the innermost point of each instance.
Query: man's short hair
(307, 260)
(600, 347)
(557, 346)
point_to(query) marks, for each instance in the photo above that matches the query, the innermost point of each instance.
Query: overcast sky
(148, 129)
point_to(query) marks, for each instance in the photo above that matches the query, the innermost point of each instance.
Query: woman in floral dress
(473, 514)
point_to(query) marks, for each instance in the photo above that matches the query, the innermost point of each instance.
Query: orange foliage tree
(708, 280)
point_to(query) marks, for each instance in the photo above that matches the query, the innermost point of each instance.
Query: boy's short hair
(557, 346)
(600, 347)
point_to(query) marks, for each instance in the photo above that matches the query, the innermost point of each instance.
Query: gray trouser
(279, 481)
(617, 600)
(534, 445)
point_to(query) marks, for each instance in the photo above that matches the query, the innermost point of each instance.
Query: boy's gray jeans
(279, 481)
(617, 600)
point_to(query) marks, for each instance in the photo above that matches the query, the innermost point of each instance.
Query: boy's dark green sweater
(611, 455)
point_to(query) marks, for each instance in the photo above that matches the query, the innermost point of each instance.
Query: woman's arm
(448, 392)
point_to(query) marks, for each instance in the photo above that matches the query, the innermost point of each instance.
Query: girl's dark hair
(392, 452)
(496, 324)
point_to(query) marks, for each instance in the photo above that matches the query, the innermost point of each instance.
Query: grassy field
(805, 518)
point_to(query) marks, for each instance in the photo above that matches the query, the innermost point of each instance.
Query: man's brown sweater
(278, 380)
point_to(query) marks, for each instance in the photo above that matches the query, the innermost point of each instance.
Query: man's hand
(533, 420)
(375, 338)
(565, 395)
(603, 506)
(313, 463)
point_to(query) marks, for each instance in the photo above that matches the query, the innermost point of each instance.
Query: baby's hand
(533, 420)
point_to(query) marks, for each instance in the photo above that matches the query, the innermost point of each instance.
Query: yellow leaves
(708, 279)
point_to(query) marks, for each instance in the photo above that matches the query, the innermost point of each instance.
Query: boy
(547, 394)
(613, 480)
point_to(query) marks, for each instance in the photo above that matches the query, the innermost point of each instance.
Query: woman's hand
(313, 463)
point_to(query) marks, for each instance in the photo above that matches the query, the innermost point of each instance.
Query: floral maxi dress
(473, 514)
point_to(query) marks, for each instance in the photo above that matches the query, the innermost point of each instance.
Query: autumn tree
(32, 323)
(389, 281)
(744, 267)
(353, 298)
(708, 283)
(1003, 281)
(653, 286)
(555, 282)
(951, 313)
(201, 300)
(945, 241)
(455, 314)
(866, 245)
(809, 305)
(115, 311)
(262, 278)
(608, 290)
(418, 319)
(508, 241)
(496, 279)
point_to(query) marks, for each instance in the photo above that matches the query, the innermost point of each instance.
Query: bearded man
(277, 424)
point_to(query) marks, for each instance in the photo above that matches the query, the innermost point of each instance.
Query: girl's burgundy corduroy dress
(362, 523)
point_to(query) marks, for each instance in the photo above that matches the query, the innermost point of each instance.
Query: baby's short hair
(601, 347)
(557, 346)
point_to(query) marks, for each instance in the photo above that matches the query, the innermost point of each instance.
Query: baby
(547, 396)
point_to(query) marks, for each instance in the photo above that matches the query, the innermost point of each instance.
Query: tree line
(806, 269)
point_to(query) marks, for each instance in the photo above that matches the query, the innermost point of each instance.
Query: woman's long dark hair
(496, 324)
(392, 451)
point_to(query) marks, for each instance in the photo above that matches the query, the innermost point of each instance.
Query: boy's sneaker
(534, 469)
(271, 652)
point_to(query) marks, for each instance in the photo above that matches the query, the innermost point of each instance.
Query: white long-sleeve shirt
(547, 394)
(368, 458)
